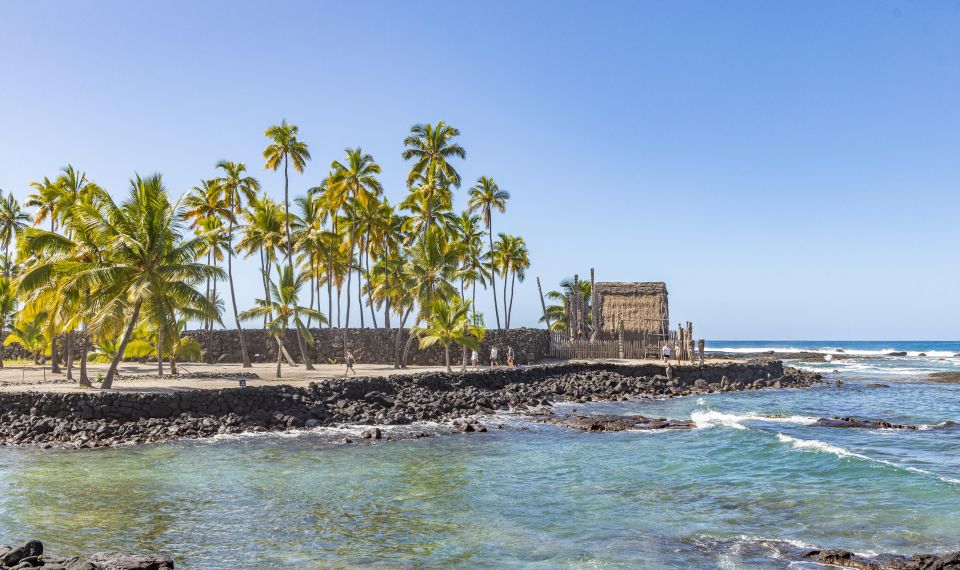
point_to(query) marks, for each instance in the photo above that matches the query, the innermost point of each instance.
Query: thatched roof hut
(641, 309)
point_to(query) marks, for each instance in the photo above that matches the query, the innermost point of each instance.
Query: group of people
(349, 360)
(494, 357)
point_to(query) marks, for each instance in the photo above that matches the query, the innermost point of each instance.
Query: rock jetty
(99, 419)
(30, 555)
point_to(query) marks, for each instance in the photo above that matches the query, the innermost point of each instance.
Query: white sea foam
(817, 445)
(713, 418)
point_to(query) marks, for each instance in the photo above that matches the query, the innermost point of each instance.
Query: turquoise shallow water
(525, 496)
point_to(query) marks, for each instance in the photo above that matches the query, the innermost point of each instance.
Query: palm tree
(75, 189)
(285, 147)
(46, 200)
(557, 313)
(283, 308)
(263, 232)
(512, 259)
(431, 147)
(431, 272)
(12, 221)
(355, 181)
(28, 332)
(8, 306)
(448, 324)
(485, 197)
(145, 259)
(237, 189)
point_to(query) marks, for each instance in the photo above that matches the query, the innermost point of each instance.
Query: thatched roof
(640, 308)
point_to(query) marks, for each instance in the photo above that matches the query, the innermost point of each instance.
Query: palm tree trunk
(506, 319)
(330, 293)
(312, 275)
(386, 301)
(513, 283)
(266, 287)
(446, 355)
(112, 371)
(303, 350)
(84, 379)
(396, 343)
(493, 273)
(68, 341)
(353, 217)
(54, 356)
(3, 327)
(359, 279)
(206, 322)
(233, 300)
(373, 313)
(406, 349)
(280, 351)
(160, 350)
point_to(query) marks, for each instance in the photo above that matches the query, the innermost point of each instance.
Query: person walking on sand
(494, 360)
(510, 356)
(475, 359)
(350, 360)
(666, 353)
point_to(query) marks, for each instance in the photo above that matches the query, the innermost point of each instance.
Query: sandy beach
(143, 378)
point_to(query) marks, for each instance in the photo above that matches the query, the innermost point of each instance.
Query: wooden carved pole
(568, 303)
(690, 352)
(543, 305)
(594, 319)
(577, 298)
(700, 348)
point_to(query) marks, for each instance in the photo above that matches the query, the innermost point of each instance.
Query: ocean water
(860, 359)
(527, 495)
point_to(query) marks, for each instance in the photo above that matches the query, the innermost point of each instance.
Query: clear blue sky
(790, 169)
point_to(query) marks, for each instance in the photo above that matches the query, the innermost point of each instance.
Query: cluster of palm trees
(122, 279)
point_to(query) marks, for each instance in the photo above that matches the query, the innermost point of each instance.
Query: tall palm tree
(284, 148)
(8, 306)
(238, 190)
(46, 199)
(145, 258)
(432, 271)
(284, 307)
(355, 180)
(512, 258)
(263, 232)
(12, 222)
(485, 197)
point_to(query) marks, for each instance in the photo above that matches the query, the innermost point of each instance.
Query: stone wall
(375, 346)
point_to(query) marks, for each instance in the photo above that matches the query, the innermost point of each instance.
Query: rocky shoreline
(102, 419)
(30, 555)
(836, 558)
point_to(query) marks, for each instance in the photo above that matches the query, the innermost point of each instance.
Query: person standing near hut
(510, 356)
(494, 360)
(666, 353)
(475, 358)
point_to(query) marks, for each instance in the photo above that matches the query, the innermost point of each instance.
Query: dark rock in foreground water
(600, 423)
(30, 555)
(98, 419)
